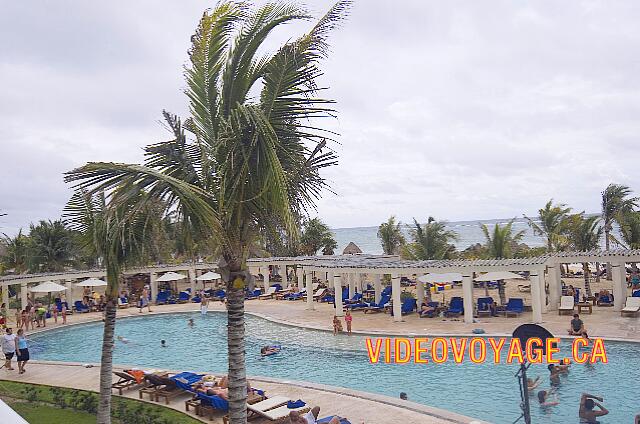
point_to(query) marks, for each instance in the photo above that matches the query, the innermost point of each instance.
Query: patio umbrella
(208, 276)
(92, 282)
(499, 275)
(171, 276)
(47, 287)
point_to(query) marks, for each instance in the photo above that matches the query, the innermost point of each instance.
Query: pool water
(486, 391)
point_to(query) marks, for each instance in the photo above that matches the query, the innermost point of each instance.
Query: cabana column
(395, 296)
(536, 304)
(377, 286)
(352, 284)
(467, 293)
(419, 293)
(309, 286)
(337, 284)
(618, 274)
(192, 280)
(555, 288)
(24, 295)
(153, 278)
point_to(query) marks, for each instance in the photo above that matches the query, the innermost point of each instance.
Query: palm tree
(500, 243)
(390, 236)
(630, 230)
(585, 234)
(239, 160)
(51, 247)
(430, 241)
(615, 204)
(117, 233)
(16, 255)
(552, 219)
(315, 236)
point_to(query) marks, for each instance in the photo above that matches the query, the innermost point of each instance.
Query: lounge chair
(154, 383)
(328, 298)
(456, 307)
(635, 293)
(484, 306)
(319, 293)
(380, 306)
(525, 288)
(196, 299)
(515, 306)
(566, 305)
(328, 419)
(80, 307)
(183, 297)
(168, 390)
(632, 306)
(211, 404)
(357, 298)
(162, 298)
(252, 295)
(295, 295)
(279, 413)
(123, 302)
(267, 404)
(408, 306)
(605, 300)
(271, 292)
(431, 314)
(125, 381)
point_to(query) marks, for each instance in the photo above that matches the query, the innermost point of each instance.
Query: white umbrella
(171, 276)
(499, 275)
(47, 287)
(440, 278)
(92, 282)
(208, 276)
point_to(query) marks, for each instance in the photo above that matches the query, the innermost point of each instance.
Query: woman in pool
(348, 318)
(545, 398)
(22, 351)
(269, 350)
(532, 384)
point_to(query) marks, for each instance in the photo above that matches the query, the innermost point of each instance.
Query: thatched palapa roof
(351, 249)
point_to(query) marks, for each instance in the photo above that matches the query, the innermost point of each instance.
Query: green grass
(46, 411)
(46, 414)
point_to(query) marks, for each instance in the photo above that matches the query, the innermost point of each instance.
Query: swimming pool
(484, 391)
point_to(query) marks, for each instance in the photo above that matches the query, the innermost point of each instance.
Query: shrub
(30, 393)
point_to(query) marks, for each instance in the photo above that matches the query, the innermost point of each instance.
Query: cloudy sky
(456, 109)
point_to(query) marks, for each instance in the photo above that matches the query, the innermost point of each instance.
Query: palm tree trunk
(106, 363)
(597, 272)
(502, 292)
(585, 271)
(606, 243)
(237, 368)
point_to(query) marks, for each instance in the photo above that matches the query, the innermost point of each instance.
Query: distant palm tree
(16, 255)
(630, 230)
(585, 234)
(51, 247)
(249, 151)
(390, 236)
(117, 233)
(500, 243)
(430, 241)
(552, 220)
(615, 204)
(316, 235)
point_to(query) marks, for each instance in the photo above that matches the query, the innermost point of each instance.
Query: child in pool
(337, 325)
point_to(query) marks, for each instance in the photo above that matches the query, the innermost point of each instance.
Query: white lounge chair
(280, 413)
(318, 294)
(632, 306)
(566, 304)
(271, 291)
(269, 403)
(315, 286)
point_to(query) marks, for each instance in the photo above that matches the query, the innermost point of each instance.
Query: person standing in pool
(337, 325)
(586, 413)
(144, 299)
(348, 318)
(204, 304)
(190, 323)
(22, 351)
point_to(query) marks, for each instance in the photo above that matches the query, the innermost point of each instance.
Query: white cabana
(499, 275)
(171, 276)
(47, 287)
(92, 282)
(208, 276)
(440, 278)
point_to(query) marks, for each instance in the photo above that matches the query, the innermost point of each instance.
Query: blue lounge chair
(345, 294)
(456, 307)
(635, 293)
(515, 306)
(380, 306)
(605, 300)
(329, 298)
(357, 298)
(295, 296)
(219, 294)
(162, 298)
(326, 420)
(386, 290)
(185, 380)
(214, 402)
(80, 307)
(183, 297)
(277, 286)
(196, 299)
(408, 305)
(484, 305)
(252, 295)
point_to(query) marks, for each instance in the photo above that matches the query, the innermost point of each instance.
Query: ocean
(469, 233)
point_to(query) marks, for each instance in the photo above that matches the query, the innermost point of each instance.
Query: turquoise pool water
(485, 391)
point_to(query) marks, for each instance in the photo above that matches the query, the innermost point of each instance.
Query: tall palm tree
(117, 233)
(500, 243)
(239, 159)
(630, 230)
(16, 255)
(390, 236)
(430, 241)
(315, 236)
(585, 234)
(552, 219)
(51, 247)
(615, 204)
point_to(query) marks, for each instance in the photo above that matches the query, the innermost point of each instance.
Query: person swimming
(547, 398)
(163, 343)
(190, 323)
(123, 340)
(269, 350)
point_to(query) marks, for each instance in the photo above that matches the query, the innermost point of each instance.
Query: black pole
(526, 410)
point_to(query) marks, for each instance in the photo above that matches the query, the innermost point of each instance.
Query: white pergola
(348, 270)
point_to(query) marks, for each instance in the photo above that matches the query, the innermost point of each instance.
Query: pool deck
(357, 406)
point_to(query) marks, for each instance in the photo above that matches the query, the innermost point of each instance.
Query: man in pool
(163, 343)
(190, 323)
(123, 340)
(310, 417)
(269, 350)
(555, 371)
(587, 414)
(577, 327)
(144, 299)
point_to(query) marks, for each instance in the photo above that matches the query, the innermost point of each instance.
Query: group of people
(15, 345)
(337, 324)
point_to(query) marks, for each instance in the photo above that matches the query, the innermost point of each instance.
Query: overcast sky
(456, 109)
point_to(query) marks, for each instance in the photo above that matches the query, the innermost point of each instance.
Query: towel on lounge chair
(215, 402)
(295, 404)
(328, 419)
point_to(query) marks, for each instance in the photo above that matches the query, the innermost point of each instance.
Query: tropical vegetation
(315, 237)
(430, 241)
(391, 236)
(585, 233)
